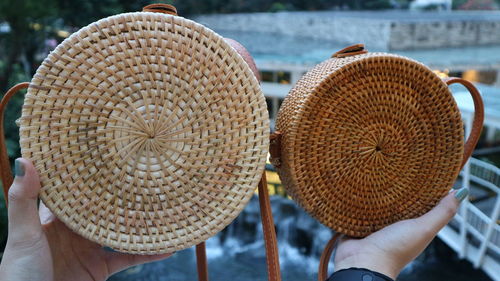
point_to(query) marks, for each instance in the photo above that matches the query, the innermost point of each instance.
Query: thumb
(442, 213)
(24, 222)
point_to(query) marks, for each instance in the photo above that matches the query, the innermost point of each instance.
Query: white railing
(475, 235)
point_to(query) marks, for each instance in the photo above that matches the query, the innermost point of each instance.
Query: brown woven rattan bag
(368, 139)
(150, 134)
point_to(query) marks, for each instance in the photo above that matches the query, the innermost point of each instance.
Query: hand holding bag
(150, 134)
(368, 139)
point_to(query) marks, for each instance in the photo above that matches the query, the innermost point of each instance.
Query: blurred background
(287, 38)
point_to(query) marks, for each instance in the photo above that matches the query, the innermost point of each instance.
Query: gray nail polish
(18, 168)
(108, 249)
(461, 194)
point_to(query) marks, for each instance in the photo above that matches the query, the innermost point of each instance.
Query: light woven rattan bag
(367, 139)
(150, 134)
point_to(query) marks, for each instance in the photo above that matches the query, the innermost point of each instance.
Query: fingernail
(461, 194)
(18, 168)
(108, 249)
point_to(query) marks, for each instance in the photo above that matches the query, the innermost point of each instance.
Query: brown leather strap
(325, 257)
(5, 171)
(477, 124)
(245, 55)
(272, 255)
(160, 8)
(275, 149)
(350, 51)
(270, 242)
(201, 262)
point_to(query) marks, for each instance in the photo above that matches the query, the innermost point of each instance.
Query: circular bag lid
(149, 131)
(368, 140)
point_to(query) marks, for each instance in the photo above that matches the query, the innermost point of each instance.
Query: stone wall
(339, 29)
(381, 30)
(420, 35)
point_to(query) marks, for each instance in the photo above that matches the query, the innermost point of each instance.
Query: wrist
(358, 274)
(373, 263)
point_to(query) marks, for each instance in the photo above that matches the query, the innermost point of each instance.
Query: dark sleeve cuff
(358, 274)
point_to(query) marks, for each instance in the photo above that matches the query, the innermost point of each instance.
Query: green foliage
(81, 13)
(25, 19)
(376, 4)
(458, 3)
(404, 4)
(431, 7)
(278, 7)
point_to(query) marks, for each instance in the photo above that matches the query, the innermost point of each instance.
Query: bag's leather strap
(271, 245)
(270, 242)
(272, 255)
(201, 262)
(275, 149)
(160, 8)
(325, 257)
(5, 171)
(353, 50)
(477, 124)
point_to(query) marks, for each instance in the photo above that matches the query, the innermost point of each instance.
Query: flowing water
(237, 253)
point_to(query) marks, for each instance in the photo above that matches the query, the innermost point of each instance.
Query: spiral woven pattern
(369, 140)
(149, 131)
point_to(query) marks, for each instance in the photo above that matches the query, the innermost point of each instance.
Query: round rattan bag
(149, 132)
(368, 139)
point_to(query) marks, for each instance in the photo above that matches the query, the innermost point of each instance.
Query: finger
(434, 220)
(24, 222)
(119, 261)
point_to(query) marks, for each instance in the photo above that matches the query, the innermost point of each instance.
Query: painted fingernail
(19, 168)
(108, 249)
(461, 194)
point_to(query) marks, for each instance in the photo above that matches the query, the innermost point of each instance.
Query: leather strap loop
(477, 124)
(350, 51)
(5, 171)
(275, 149)
(325, 257)
(160, 8)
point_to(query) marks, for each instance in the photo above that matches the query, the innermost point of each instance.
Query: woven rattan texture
(369, 140)
(149, 131)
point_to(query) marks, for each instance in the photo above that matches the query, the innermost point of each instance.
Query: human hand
(41, 247)
(388, 250)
